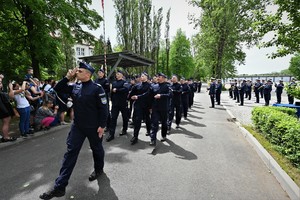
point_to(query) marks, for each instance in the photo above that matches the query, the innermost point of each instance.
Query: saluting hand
(71, 73)
(157, 96)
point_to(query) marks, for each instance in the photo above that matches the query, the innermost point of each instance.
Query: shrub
(281, 127)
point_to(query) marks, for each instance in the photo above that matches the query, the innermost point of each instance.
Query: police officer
(231, 89)
(279, 89)
(249, 89)
(267, 92)
(176, 89)
(242, 89)
(290, 96)
(140, 94)
(102, 80)
(218, 91)
(90, 110)
(184, 97)
(212, 92)
(161, 96)
(263, 83)
(119, 92)
(193, 88)
(257, 88)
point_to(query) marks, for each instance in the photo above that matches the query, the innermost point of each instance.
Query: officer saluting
(90, 111)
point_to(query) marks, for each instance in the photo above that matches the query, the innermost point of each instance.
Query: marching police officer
(176, 102)
(140, 94)
(242, 89)
(102, 80)
(267, 92)
(290, 96)
(161, 96)
(257, 88)
(193, 88)
(218, 91)
(279, 89)
(184, 97)
(212, 92)
(90, 110)
(119, 92)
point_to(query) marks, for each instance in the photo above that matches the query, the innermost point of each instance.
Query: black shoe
(147, 134)
(163, 139)
(110, 138)
(24, 135)
(240, 104)
(211, 106)
(152, 143)
(177, 126)
(134, 140)
(53, 193)
(123, 133)
(94, 175)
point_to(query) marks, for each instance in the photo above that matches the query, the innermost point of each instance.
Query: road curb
(282, 177)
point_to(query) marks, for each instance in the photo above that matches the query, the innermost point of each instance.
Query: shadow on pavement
(184, 131)
(174, 148)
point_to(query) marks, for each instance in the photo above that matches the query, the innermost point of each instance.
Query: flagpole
(105, 68)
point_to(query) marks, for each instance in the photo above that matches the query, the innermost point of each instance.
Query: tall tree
(284, 23)
(225, 26)
(181, 60)
(294, 67)
(167, 39)
(37, 26)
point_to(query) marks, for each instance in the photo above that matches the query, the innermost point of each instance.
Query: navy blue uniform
(279, 89)
(90, 113)
(185, 99)
(141, 107)
(212, 93)
(257, 88)
(291, 97)
(236, 92)
(106, 86)
(218, 93)
(267, 93)
(242, 90)
(160, 109)
(176, 89)
(193, 88)
(119, 104)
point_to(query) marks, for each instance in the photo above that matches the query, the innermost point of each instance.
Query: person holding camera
(90, 111)
(46, 117)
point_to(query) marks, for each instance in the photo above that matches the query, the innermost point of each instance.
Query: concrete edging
(282, 177)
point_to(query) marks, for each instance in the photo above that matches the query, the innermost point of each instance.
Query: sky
(256, 62)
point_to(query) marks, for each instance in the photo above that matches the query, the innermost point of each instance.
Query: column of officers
(241, 89)
(154, 101)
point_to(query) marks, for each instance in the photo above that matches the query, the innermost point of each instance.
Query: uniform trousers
(178, 108)
(257, 96)
(115, 110)
(156, 116)
(278, 95)
(140, 113)
(75, 140)
(185, 104)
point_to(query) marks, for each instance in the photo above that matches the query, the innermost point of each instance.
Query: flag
(102, 4)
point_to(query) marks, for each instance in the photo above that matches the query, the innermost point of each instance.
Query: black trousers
(115, 110)
(75, 140)
(212, 100)
(178, 108)
(218, 98)
(237, 93)
(267, 99)
(156, 116)
(191, 99)
(242, 98)
(290, 99)
(249, 95)
(257, 96)
(278, 95)
(230, 93)
(140, 113)
(185, 105)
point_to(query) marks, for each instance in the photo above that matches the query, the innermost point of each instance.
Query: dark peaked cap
(87, 67)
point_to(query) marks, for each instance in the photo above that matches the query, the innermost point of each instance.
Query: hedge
(281, 127)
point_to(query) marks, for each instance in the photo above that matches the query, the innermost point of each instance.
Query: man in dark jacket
(212, 92)
(176, 89)
(218, 91)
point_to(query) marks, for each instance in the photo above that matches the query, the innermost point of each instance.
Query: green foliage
(37, 33)
(285, 23)
(282, 128)
(181, 60)
(294, 67)
(225, 27)
(293, 90)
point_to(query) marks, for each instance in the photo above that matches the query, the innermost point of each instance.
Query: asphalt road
(207, 158)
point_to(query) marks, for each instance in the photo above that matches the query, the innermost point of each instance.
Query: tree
(181, 60)
(36, 29)
(294, 67)
(225, 26)
(167, 39)
(284, 23)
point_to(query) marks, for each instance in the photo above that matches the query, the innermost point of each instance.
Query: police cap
(161, 74)
(87, 67)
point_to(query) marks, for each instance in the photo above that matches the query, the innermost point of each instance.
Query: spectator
(6, 112)
(45, 117)
(18, 94)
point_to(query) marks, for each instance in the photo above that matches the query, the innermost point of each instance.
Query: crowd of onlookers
(35, 103)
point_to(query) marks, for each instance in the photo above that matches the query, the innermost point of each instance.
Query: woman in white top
(18, 94)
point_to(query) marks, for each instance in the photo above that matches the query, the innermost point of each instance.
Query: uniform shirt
(212, 88)
(243, 87)
(176, 89)
(279, 88)
(162, 103)
(257, 86)
(267, 89)
(142, 90)
(219, 88)
(119, 98)
(104, 83)
(89, 103)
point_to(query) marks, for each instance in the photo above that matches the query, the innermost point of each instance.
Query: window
(78, 51)
(82, 51)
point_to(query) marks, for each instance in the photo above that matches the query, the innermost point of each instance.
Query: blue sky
(256, 62)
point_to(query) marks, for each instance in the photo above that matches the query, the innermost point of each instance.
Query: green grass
(284, 163)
